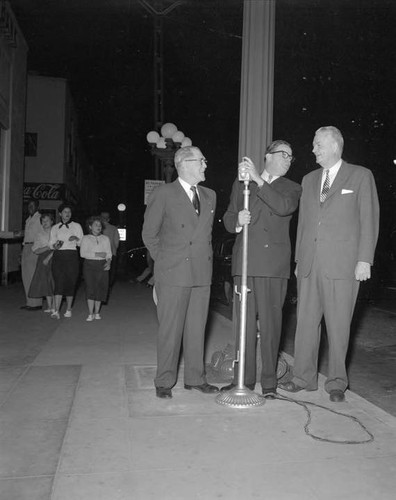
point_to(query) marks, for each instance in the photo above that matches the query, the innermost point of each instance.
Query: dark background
(334, 65)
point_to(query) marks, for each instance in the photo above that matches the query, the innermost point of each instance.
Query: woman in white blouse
(65, 237)
(96, 251)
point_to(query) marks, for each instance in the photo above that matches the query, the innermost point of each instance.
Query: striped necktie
(195, 200)
(326, 187)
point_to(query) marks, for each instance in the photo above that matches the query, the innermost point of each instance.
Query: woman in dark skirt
(96, 251)
(42, 284)
(65, 237)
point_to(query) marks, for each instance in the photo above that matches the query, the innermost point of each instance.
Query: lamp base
(240, 398)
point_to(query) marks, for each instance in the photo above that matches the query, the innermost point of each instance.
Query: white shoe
(97, 316)
(68, 314)
(55, 315)
(90, 317)
(48, 311)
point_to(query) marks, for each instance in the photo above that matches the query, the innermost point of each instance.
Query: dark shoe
(24, 307)
(35, 308)
(269, 393)
(337, 396)
(205, 388)
(163, 392)
(232, 386)
(292, 387)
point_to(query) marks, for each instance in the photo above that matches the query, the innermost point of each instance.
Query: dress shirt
(91, 244)
(32, 227)
(63, 234)
(41, 240)
(333, 171)
(187, 188)
(265, 176)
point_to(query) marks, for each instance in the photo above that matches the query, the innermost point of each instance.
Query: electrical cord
(305, 404)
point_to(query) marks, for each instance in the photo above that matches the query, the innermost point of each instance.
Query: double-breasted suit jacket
(271, 208)
(180, 241)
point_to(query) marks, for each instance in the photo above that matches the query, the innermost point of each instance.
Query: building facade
(13, 56)
(56, 167)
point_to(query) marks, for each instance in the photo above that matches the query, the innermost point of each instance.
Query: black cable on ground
(305, 404)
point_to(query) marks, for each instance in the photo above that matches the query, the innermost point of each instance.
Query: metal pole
(241, 396)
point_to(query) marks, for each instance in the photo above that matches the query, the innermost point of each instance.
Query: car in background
(222, 282)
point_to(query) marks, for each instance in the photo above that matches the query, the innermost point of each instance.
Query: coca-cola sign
(43, 191)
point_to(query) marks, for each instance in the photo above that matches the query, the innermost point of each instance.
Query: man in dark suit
(336, 238)
(273, 200)
(177, 231)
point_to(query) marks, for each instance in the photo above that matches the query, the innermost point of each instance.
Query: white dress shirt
(63, 233)
(187, 188)
(333, 171)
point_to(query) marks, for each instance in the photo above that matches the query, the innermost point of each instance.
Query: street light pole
(158, 11)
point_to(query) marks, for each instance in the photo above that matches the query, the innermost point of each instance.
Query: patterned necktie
(326, 187)
(195, 199)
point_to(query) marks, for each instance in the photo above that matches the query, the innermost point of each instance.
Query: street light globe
(152, 137)
(168, 130)
(161, 144)
(186, 142)
(178, 137)
(121, 207)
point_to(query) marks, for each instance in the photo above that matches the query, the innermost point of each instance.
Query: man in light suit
(336, 238)
(273, 200)
(177, 231)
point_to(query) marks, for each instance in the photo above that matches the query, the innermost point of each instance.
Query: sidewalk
(79, 420)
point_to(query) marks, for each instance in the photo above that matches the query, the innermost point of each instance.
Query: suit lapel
(339, 180)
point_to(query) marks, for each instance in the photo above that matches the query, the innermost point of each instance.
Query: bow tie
(65, 224)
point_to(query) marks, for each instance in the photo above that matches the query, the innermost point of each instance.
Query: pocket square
(346, 191)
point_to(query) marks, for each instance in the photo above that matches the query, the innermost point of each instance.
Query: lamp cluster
(169, 137)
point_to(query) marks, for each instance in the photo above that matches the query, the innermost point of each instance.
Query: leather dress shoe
(32, 308)
(269, 393)
(292, 387)
(232, 386)
(337, 396)
(205, 388)
(163, 392)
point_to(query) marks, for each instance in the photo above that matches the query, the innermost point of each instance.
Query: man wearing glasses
(177, 231)
(273, 199)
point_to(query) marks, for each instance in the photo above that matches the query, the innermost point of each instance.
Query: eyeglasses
(203, 161)
(285, 155)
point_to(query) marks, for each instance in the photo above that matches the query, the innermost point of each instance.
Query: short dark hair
(64, 205)
(275, 144)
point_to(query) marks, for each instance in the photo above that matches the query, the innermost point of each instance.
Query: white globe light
(178, 137)
(121, 207)
(186, 142)
(152, 137)
(168, 130)
(161, 144)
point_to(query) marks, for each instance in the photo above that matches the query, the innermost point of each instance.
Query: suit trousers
(28, 267)
(182, 315)
(265, 302)
(334, 299)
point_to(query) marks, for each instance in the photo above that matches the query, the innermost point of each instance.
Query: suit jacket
(180, 241)
(343, 229)
(271, 208)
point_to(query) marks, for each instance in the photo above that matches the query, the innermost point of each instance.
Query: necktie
(65, 224)
(325, 188)
(195, 199)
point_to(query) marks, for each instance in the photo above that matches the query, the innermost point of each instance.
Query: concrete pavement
(79, 420)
